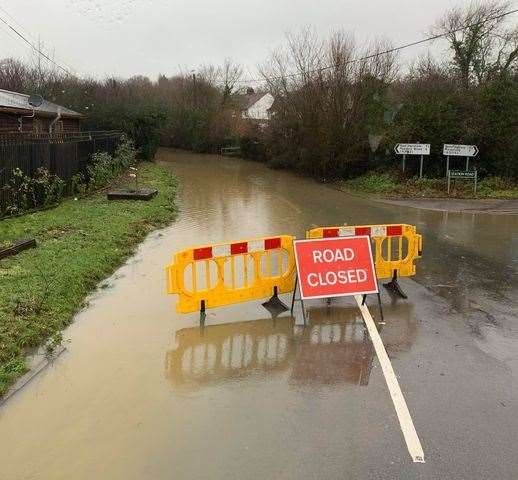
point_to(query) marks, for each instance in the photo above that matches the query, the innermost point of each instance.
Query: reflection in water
(333, 348)
(230, 351)
(105, 410)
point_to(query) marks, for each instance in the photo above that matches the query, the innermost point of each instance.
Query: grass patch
(393, 185)
(80, 242)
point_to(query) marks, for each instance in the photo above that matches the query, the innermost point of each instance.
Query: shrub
(126, 154)
(101, 170)
(279, 162)
(17, 189)
(374, 183)
(78, 183)
(497, 187)
(144, 127)
(47, 189)
(496, 183)
(424, 187)
(104, 167)
(253, 148)
(25, 193)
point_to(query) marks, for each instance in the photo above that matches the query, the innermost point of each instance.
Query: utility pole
(194, 86)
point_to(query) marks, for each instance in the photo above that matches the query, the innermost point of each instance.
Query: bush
(47, 188)
(25, 193)
(145, 130)
(278, 162)
(253, 148)
(79, 184)
(43, 188)
(104, 167)
(101, 170)
(498, 187)
(423, 187)
(496, 183)
(126, 155)
(374, 183)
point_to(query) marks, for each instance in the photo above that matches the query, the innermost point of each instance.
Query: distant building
(17, 115)
(255, 105)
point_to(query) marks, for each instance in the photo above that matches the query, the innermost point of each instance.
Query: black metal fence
(62, 154)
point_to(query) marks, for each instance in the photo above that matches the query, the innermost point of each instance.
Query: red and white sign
(335, 267)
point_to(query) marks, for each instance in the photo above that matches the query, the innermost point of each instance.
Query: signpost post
(452, 150)
(467, 151)
(420, 149)
(464, 175)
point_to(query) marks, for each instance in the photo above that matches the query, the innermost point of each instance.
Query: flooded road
(143, 392)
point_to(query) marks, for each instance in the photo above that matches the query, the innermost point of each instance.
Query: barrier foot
(293, 298)
(202, 313)
(380, 307)
(294, 292)
(394, 287)
(275, 306)
(364, 299)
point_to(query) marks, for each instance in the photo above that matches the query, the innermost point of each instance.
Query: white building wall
(259, 110)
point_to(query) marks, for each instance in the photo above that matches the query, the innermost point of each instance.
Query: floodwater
(143, 392)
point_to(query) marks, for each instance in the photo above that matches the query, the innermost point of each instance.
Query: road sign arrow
(412, 149)
(453, 150)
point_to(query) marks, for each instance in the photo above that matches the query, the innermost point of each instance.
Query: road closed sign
(335, 267)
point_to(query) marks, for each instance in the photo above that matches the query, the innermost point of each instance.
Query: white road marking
(405, 420)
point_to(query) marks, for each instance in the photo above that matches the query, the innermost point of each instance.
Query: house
(18, 115)
(255, 105)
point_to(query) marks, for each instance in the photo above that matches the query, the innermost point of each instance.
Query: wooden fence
(62, 154)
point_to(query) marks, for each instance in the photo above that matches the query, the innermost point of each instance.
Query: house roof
(14, 102)
(247, 100)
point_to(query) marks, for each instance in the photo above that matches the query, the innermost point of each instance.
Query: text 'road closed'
(335, 267)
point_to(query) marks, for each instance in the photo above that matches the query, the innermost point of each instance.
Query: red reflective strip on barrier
(237, 248)
(362, 231)
(202, 253)
(271, 243)
(394, 230)
(330, 232)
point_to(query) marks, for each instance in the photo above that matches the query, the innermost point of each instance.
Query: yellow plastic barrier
(227, 273)
(396, 246)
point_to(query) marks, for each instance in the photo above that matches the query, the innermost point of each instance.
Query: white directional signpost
(451, 150)
(420, 149)
(467, 151)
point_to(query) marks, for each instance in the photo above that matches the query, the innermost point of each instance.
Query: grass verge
(391, 185)
(79, 243)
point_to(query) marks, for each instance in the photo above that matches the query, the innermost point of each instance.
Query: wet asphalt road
(142, 392)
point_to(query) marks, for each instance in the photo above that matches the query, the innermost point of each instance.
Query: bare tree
(14, 75)
(229, 75)
(209, 74)
(481, 42)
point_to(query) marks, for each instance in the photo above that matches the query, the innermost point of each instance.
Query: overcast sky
(148, 37)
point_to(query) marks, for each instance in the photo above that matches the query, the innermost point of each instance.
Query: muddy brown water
(143, 392)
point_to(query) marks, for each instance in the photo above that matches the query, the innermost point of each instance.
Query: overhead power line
(385, 52)
(16, 21)
(34, 47)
